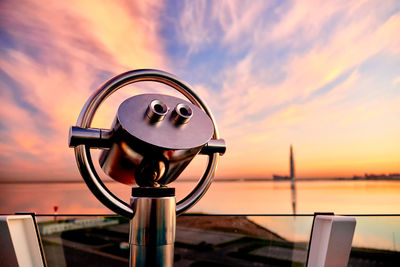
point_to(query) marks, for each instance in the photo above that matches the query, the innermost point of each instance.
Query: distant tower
(291, 163)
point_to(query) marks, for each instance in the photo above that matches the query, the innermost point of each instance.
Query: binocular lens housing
(154, 138)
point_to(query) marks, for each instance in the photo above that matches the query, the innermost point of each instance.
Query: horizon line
(361, 178)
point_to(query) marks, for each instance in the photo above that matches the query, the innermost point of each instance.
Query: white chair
(20, 243)
(331, 240)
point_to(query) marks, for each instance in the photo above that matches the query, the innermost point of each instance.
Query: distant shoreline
(222, 180)
(296, 180)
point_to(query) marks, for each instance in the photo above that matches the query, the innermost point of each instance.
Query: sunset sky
(321, 75)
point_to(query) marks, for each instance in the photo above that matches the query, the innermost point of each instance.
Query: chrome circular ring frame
(82, 152)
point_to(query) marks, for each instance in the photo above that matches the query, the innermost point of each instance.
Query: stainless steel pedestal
(152, 229)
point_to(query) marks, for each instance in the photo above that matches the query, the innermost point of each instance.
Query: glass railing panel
(242, 240)
(376, 241)
(85, 240)
(215, 240)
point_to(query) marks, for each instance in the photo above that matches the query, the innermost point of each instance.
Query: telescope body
(154, 137)
(151, 141)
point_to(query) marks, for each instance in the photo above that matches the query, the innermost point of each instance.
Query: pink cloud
(246, 94)
(360, 35)
(61, 49)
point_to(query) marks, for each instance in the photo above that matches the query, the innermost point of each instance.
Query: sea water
(277, 198)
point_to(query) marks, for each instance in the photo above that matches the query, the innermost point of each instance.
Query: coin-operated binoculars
(151, 141)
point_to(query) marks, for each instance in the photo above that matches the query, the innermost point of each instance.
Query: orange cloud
(63, 51)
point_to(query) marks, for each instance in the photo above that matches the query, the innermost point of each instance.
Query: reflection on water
(349, 197)
(294, 198)
(340, 197)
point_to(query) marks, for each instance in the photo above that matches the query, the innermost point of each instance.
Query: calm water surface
(341, 197)
(264, 197)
